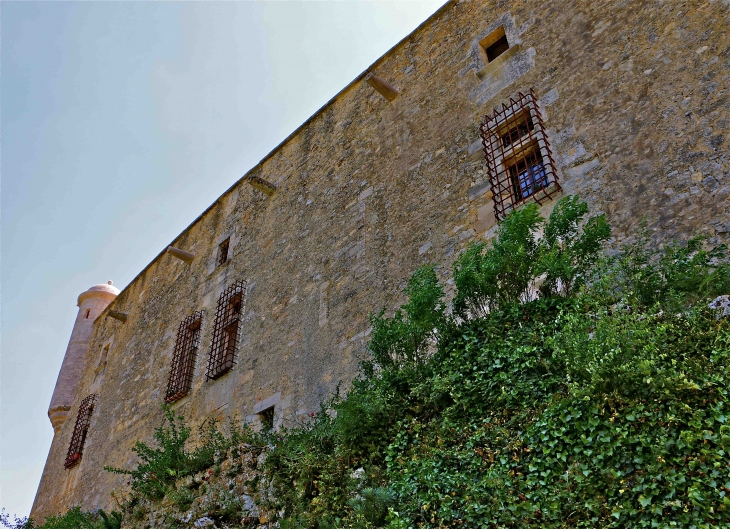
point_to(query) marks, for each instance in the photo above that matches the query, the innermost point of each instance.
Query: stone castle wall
(635, 100)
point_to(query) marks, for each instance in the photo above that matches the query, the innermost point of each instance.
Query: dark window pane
(497, 49)
(267, 419)
(528, 176)
(223, 251)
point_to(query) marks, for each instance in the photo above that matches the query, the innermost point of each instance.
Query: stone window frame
(101, 364)
(502, 28)
(272, 406)
(490, 41)
(501, 156)
(104, 355)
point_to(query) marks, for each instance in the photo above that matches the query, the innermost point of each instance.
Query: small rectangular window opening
(497, 49)
(266, 417)
(223, 251)
(87, 314)
(494, 44)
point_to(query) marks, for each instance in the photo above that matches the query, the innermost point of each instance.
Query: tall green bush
(563, 393)
(173, 457)
(519, 264)
(404, 337)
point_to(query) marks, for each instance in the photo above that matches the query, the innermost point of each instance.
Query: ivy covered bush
(563, 389)
(560, 386)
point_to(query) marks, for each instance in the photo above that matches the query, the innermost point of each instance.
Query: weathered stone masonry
(329, 225)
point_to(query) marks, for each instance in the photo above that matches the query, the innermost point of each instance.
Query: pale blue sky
(121, 122)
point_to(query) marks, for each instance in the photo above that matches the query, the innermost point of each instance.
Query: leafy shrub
(488, 277)
(161, 466)
(635, 354)
(403, 338)
(566, 389)
(15, 523)
(569, 248)
(670, 278)
(518, 263)
(562, 394)
(372, 505)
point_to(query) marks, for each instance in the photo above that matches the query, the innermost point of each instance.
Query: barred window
(183, 357)
(519, 161)
(225, 330)
(81, 428)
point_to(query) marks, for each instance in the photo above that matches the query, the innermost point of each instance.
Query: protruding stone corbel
(58, 416)
(262, 185)
(181, 254)
(121, 316)
(384, 88)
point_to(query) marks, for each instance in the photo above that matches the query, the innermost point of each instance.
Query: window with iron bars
(81, 429)
(519, 160)
(225, 330)
(183, 357)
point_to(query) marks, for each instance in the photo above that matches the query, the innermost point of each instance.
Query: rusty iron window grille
(231, 306)
(81, 429)
(223, 251)
(183, 357)
(519, 160)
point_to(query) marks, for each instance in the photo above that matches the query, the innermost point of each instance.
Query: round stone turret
(91, 303)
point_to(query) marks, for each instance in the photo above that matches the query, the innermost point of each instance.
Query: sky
(120, 122)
